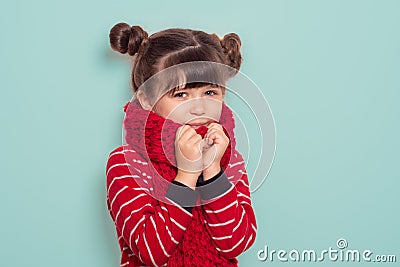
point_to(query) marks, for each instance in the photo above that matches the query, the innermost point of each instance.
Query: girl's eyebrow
(185, 89)
(179, 90)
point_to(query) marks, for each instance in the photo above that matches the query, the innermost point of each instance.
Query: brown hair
(170, 47)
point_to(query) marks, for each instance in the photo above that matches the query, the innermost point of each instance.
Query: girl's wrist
(187, 178)
(211, 171)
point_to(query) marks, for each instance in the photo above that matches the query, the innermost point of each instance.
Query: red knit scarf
(157, 148)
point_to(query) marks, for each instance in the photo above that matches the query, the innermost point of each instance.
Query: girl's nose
(197, 107)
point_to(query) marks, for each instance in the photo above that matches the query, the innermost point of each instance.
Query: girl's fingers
(197, 144)
(209, 141)
(207, 135)
(217, 135)
(211, 131)
(194, 139)
(186, 132)
(214, 135)
(181, 130)
(215, 126)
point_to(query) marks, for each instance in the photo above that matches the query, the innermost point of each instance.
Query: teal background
(329, 70)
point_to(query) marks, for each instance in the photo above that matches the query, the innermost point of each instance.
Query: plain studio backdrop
(328, 69)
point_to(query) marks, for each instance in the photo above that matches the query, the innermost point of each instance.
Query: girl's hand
(213, 154)
(188, 155)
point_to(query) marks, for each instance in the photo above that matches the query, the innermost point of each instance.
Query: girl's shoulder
(124, 162)
(123, 151)
(126, 155)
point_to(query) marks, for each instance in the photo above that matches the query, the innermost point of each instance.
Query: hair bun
(124, 38)
(231, 45)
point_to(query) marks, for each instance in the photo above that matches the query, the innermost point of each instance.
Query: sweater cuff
(214, 186)
(201, 182)
(182, 195)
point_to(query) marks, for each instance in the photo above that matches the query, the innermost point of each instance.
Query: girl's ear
(143, 100)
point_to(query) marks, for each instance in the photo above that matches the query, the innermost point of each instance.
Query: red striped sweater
(150, 232)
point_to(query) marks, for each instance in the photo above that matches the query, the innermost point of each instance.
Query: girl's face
(192, 106)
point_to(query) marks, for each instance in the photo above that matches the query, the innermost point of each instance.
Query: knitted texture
(153, 137)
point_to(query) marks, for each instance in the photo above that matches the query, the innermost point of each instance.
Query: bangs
(195, 75)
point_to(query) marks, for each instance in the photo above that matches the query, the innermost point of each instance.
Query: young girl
(178, 190)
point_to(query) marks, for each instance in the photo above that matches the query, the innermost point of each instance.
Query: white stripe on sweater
(139, 161)
(115, 196)
(126, 203)
(133, 230)
(121, 152)
(224, 208)
(168, 231)
(220, 224)
(243, 195)
(234, 164)
(120, 177)
(232, 248)
(240, 221)
(158, 237)
(127, 219)
(242, 181)
(222, 237)
(248, 241)
(178, 224)
(148, 249)
(139, 254)
(242, 172)
(116, 165)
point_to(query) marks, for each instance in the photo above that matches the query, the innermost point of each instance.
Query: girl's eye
(179, 95)
(211, 92)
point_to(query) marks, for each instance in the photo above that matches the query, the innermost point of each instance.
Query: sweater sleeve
(228, 211)
(152, 229)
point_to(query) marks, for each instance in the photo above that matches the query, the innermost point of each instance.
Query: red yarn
(153, 137)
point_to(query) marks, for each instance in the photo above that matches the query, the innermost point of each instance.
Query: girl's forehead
(196, 85)
(195, 88)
